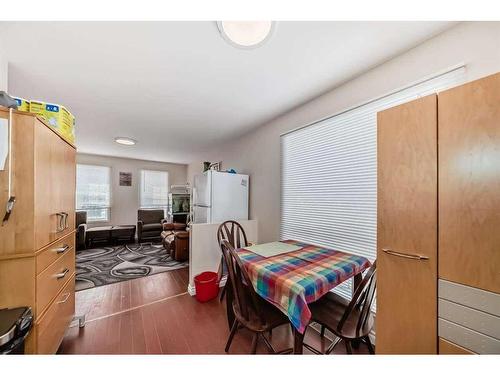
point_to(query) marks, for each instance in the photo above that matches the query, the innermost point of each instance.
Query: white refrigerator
(220, 196)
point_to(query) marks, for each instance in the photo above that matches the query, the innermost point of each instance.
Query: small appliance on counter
(15, 325)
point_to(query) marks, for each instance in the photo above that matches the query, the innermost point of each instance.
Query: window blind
(329, 175)
(93, 193)
(154, 189)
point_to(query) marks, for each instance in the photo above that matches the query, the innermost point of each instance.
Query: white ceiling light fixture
(246, 34)
(125, 141)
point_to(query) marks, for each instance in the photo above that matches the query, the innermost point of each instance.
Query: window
(154, 189)
(329, 175)
(93, 192)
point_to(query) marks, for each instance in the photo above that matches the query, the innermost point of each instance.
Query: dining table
(295, 277)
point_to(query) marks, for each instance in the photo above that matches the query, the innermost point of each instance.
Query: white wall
(204, 251)
(125, 199)
(4, 72)
(477, 44)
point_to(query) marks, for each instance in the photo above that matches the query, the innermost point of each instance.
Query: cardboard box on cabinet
(22, 104)
(57, 116)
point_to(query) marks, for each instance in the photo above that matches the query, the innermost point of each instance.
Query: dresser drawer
(474, 298)
(446, 347)
(471, 318)
(51, 328)
(468, 338)
(52, 279)
(54, 252)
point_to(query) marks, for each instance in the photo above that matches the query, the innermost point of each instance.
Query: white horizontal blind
(329, 175)
(93, 191)
(154, 189)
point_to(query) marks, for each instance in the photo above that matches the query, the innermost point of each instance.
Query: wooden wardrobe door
(17, 234)
(469, 184)
(406, 320)
(46, 187)
(68, 179)
(55, 171)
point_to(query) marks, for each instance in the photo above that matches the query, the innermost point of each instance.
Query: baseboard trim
(192, 290)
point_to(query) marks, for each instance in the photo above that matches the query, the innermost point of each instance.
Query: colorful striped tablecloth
(293, 280)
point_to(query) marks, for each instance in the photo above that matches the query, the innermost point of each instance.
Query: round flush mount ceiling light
(125, 141)
(246, 34)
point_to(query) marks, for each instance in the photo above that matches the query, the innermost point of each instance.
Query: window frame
(141, 181)
(107, 208)
(451, 77)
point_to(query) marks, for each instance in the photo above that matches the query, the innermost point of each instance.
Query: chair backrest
(150, 216)
(232, 232)
(362, 300)
(245, 297)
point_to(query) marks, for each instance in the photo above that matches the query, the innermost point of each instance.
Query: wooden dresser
(37, 243)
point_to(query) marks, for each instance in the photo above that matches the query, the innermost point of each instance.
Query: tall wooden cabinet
(439, 223)
(37, 244)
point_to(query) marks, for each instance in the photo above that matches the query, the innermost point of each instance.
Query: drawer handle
(64, 299)
(62, 274)
(61, 250)
(407, 256)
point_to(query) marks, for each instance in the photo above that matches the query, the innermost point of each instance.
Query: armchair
(176, 240)
(81, 229)
(149, 224)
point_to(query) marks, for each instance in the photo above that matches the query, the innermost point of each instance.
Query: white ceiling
(178, 87)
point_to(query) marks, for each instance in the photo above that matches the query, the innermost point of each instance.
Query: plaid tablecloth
(292, 280)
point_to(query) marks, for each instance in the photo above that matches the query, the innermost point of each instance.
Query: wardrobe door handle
(404, 255)
(61, 250)
(60, 222)
(62, 274)
(65, 215)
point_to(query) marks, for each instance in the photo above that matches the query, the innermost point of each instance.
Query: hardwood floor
(155, 315)
(119, 297)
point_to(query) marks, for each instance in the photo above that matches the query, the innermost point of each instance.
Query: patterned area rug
(108, 265)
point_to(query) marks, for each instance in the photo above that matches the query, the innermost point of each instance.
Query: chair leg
(255, 339)
(322, 334)
(348, 347)
(222, 293)
(234, 328)
(370, 346)
(355, 343)
(268, 344)
(332, 346)
(271, 348)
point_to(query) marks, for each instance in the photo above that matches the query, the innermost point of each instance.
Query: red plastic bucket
(207, 286)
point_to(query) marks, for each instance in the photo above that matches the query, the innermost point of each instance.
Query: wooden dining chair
(233, 232)
(250, 310)
(350, 322)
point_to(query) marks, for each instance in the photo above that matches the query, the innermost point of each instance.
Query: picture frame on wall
(125, 179)
(216, 166)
